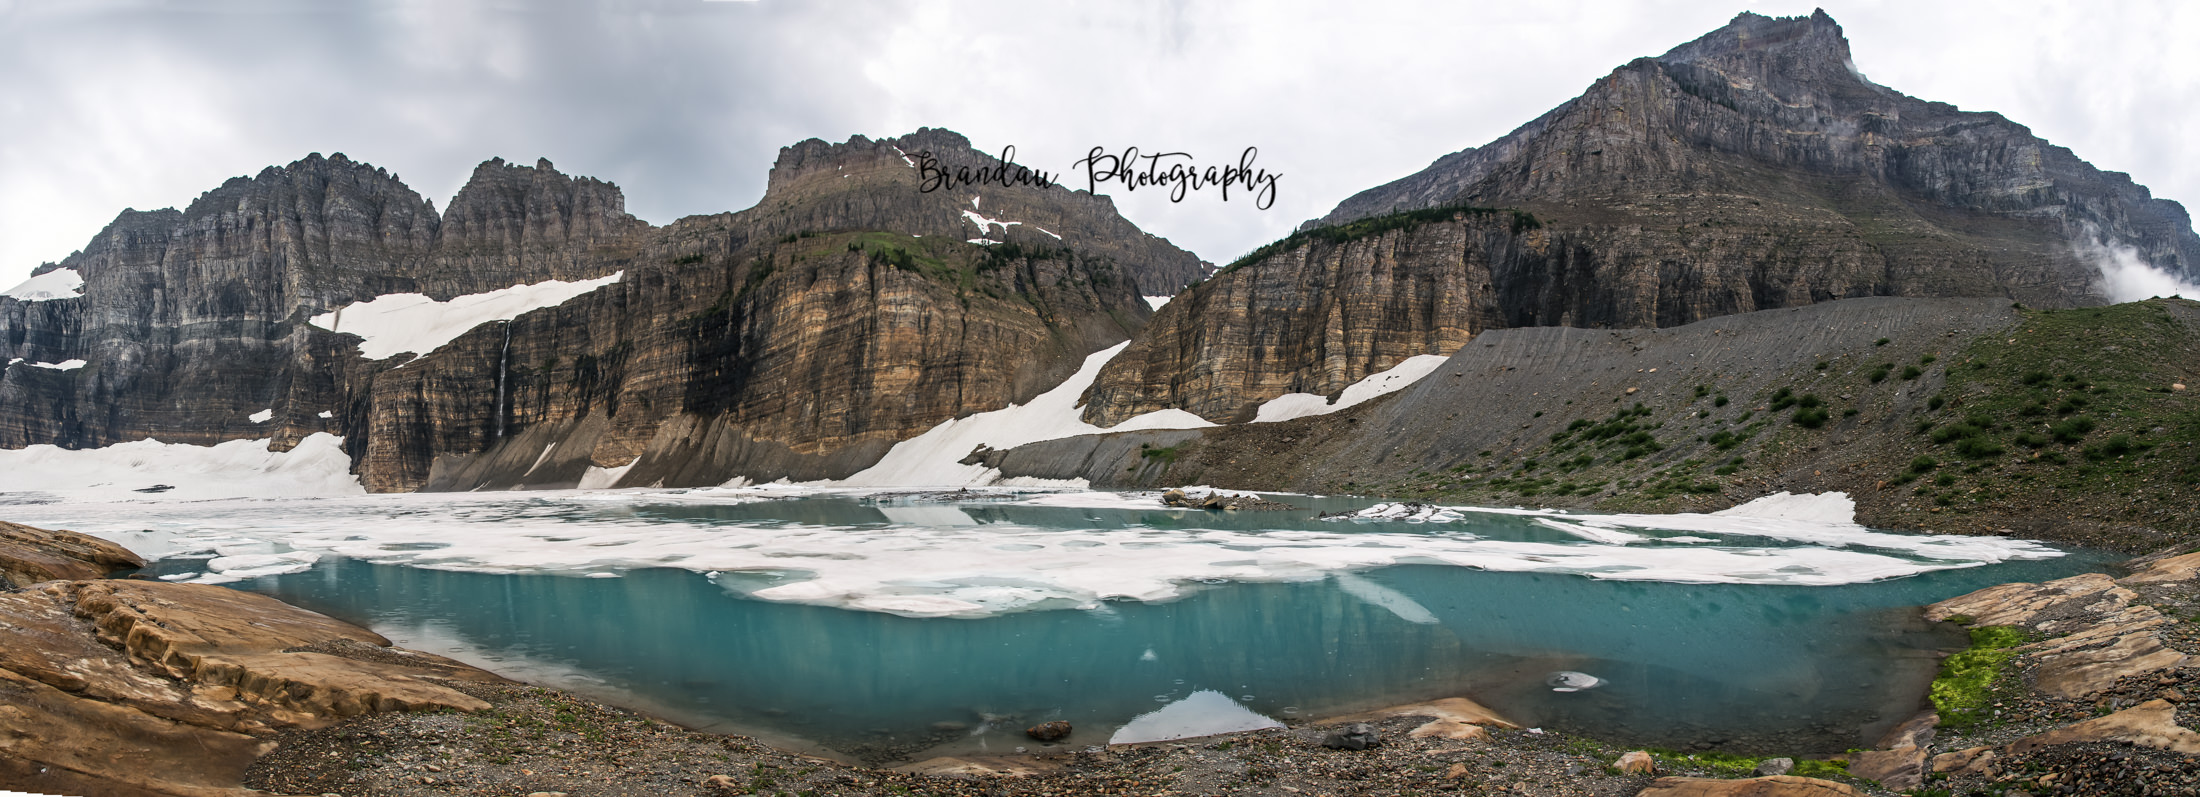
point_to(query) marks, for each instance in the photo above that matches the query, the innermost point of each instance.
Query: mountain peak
(1773, 50)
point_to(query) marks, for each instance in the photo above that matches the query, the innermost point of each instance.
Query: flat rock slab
(2175, 568)
(139, 687)
(2097, 635)
(33, 555)
(981, 766)
(1773, 786)
(2149, 724)
(1456, 710)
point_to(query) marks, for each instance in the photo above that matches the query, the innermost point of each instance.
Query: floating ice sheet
(930, 560)
(317, 466)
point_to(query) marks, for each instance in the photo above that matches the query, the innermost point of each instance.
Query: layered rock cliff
(1751, 169)
(801, 337)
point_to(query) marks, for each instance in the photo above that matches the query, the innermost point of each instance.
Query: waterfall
(503, 357)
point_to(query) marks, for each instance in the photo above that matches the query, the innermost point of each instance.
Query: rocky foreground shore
(128, 687)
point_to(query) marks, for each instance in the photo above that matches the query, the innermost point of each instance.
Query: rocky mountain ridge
(801, 337)
(1751, 169)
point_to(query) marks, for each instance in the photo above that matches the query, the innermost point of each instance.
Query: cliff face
(1318, 316)
(1751, 169)
(802, 337)
(810, 190)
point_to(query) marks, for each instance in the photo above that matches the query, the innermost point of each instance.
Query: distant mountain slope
(802, 337)
(2080, 425)
(1750, 169)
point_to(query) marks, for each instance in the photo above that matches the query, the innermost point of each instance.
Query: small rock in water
(1637, 762)
(1049, 731)
(1356, 736)
(1570, 681)
(1775, 766)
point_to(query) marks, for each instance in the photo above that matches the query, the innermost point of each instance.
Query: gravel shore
(536, 740)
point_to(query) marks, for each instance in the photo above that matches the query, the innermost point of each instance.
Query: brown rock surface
(1636, 762)
(1774, 786)
(136, 687)
(1451, 709)
(2096, 634)
(31, 555)
(2150, 724)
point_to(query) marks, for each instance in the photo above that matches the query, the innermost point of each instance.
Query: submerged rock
(1570, 681)
(1049, 731)
(1356, 736)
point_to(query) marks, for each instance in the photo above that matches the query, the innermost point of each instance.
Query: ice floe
(397, 323)
(64, 365)
(1202, 713)
(933, 561)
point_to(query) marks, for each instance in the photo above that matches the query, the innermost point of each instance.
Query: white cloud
(2127, 277)
(685, 103)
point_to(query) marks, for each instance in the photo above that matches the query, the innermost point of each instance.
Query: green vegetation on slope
(2076, 410)
(2066, 415)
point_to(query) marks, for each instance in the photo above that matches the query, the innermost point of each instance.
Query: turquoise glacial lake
(890, 627)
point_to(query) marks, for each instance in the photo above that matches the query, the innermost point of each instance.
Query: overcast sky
(107, 104)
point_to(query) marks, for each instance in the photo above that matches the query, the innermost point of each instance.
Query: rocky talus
(1752, 169)
(848, 310)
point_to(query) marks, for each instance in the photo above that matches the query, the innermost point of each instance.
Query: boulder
(1636, 762)
(1900, 769)
(1450, 729)
(1356, 736)
(1049, 731)
(1775, 786)
(1775, 766)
